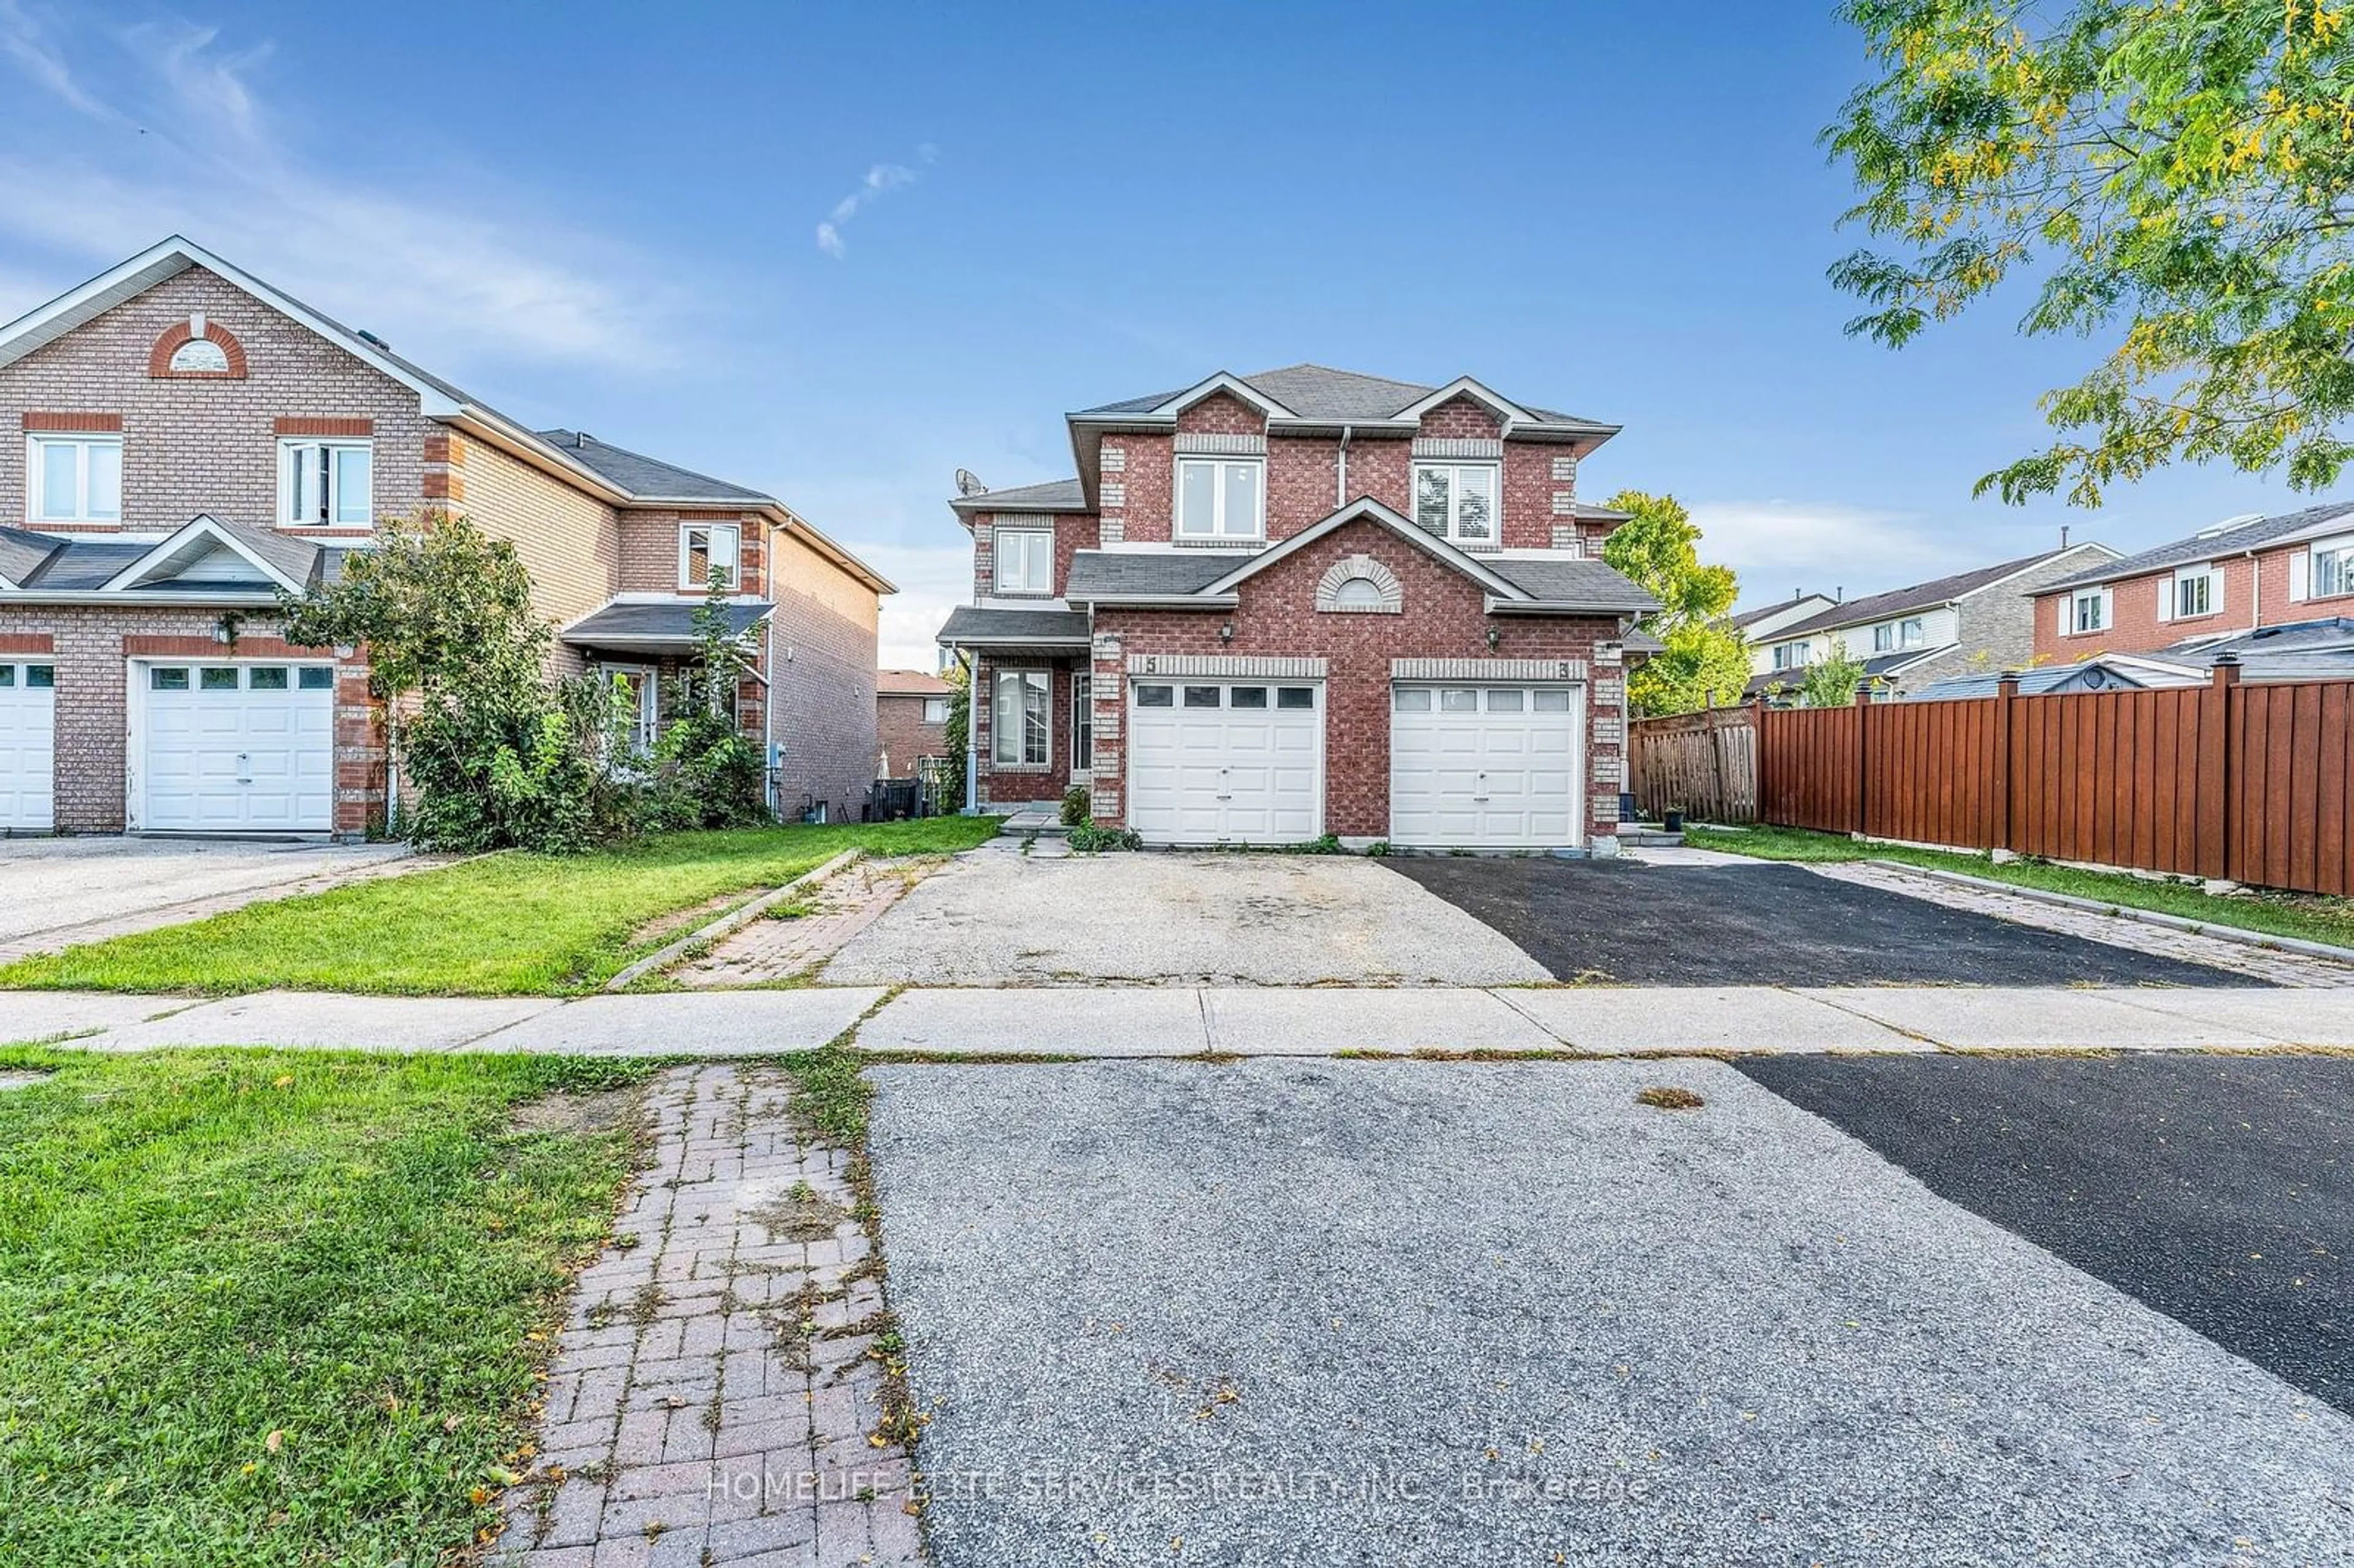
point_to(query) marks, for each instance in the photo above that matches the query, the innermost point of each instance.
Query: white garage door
(28, 757)
(237, 747)
(1225, 761)
(1485, 767)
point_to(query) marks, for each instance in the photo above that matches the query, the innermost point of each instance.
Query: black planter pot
(1674, 823)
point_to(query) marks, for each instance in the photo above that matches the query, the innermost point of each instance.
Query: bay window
(325, 484)
(1019, 719)
(1456, 501)
(1221, 498)
(75, 479)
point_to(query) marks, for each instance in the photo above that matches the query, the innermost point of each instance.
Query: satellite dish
(968, 483)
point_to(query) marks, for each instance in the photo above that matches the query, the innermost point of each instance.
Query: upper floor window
(2333, 569)
(707, 550)
(2088, 610)
(1790, 656)
(936, 710)
(326, 484)
(1456, 501)
(2194, 592)
(1221, 498)
(75, 479)
(1025, 560)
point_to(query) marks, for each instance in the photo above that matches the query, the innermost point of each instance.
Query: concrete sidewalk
(1241, 1021)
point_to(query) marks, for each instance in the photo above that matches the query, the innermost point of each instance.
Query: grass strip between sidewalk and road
(507, 925)
(2311, 917)
(270, 1307)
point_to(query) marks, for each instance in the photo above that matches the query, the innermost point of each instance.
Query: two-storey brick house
(1272, 606)
(190, 442)
(2240, 574)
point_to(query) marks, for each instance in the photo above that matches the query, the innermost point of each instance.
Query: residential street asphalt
(1282, 1311)
(2220, 1190)
(1764, 925)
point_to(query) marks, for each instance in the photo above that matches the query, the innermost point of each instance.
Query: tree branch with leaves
(1706, 659)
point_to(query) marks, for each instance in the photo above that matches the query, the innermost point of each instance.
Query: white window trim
(929, 703)
(1454, 535)
(2068, 605)
(2305, 569)
(686, 578)
(1883, 637)
(1218, 519)
(646, 729)
(1046, 589)
(36, 477)
(2171, 592)
(997, 730)
(1083, 698)
(288, 446)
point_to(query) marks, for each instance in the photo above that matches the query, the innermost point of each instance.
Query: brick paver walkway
(714, 1400)
(842, 906)
(2239, 958)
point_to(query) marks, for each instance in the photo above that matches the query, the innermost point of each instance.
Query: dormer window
(1221, 498)
(326, 484)
(706, 549)
(1456, 501)
(75, 478)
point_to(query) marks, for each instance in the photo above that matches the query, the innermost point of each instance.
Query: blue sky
(611, 216)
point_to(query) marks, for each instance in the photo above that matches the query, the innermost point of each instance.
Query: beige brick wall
(822, 648)
(192, 445)
(570, 542)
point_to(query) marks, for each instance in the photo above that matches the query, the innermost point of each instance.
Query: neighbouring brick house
(2240, 574)
(1307, 601)
(1905, 637)
(193, 440)
(911, 720)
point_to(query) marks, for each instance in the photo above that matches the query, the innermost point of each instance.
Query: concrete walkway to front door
(1181, 1021)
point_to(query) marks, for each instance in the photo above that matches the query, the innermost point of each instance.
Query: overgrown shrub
(1088, 839)
(1078, 807)
(705, 771)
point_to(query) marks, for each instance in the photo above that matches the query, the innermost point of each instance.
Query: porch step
(1047, 825)
(1647, 837)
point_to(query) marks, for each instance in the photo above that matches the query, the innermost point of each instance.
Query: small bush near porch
(261, 1309)
(504, 924)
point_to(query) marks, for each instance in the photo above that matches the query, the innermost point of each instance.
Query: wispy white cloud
(881, 180)
(210, 161)
(932, 581)
(1778, 546)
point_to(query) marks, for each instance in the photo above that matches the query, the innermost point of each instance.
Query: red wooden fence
(2223, 780)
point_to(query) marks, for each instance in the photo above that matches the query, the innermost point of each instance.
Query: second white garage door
(236, 747)
(1225, 761)
(27, 747)
(1485, 767)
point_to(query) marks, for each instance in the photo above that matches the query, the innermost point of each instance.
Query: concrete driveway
(1000, 918)
(1425, 1313)
(56, 891)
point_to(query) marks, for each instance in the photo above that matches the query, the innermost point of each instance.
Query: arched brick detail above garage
(1359, 584)
(181, 355)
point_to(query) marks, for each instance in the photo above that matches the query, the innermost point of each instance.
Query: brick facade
(822, 647)
(901, 733)
(1443, 616)
(2255, 592)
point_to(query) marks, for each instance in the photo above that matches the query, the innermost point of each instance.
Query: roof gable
(1919, 595)
(1367, 510)
(208, 551)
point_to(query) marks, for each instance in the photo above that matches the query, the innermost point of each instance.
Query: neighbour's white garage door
(1225, 761)
(28, 727)
(236, 747)
(1485, 767)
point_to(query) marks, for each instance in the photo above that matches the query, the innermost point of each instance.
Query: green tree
(2183, 170)
(1706, 659)
(1831, 682)
(706, 772)
(957, 735)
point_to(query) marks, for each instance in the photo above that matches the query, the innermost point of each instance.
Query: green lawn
(509, 925)
(2310, 916)
(262, 1308)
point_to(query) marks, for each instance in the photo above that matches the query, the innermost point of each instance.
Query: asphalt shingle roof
(2207, 546)
(638, 622)
(1573, 580)
(1920, 596)
(1320, 392)
(1096, 574)
(650, 477)
(971, 623)
(1055, 495)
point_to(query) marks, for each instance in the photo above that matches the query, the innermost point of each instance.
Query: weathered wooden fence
(1704, 763)
(2253, 783)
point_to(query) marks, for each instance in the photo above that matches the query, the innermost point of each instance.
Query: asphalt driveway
(2218, 1188)
(1763, 924)
(56, 890)
(1423, 1313)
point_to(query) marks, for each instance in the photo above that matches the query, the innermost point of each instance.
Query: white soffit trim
(1223, 381)
(1463, 386)
(173, 543)
(1374, 511)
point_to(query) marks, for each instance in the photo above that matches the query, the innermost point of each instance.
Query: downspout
(971, 735)
(1340, 479)
(2255, 590)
